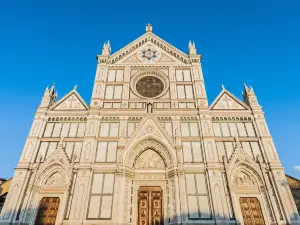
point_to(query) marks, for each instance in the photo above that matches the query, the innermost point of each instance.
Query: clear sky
(42, 42)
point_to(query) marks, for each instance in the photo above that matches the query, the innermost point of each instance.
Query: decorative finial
(223, 87)
(61, 142)
(106, 49)
(237, 141)
(192, 48)
(74, 158)
(149, 28)
(75, 87)
(51, 90)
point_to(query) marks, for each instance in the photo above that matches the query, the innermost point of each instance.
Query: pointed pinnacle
(245, 86)
(75, 87)
(223, 87)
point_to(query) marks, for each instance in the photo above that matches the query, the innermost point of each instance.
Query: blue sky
(43, 42)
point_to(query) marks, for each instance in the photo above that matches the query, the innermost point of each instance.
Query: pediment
(227, 101)
(71, 101)
(240, 156)
(149, 128)
(149, 53)
(169, 53)
(59, 155)
(57, 159)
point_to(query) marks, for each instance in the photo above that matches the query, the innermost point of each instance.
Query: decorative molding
(230, 119)
(67, 119)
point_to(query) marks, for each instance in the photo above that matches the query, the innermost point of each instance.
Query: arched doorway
(150, 184)
(250, 197)
(149, 164)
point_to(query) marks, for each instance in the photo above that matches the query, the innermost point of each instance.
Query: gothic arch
(142, 160)
(245, 175)
(46, 174)
(146, 143)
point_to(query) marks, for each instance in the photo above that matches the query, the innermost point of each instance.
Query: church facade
(149, 150)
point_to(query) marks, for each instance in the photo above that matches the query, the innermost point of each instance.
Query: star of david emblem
(149, 53)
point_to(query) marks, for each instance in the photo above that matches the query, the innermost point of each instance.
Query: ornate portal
(150, 208)
(251, 211)
(149, 86)
(47, 211)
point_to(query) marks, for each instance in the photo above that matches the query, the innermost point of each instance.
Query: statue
(149, 107)
(61, 143)
(149, 28)
(237, 142)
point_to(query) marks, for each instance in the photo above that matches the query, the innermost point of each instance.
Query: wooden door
(47, 211)
(251, 211)
(150, 207)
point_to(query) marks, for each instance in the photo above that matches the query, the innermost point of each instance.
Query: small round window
(149, 86)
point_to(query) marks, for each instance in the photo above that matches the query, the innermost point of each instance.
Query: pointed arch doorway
(150, 184)
(151, 161)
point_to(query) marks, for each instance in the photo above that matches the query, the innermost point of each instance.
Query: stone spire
(192, 48)
(149, 28)
(250, 98)
(49, 97)
(106, 49)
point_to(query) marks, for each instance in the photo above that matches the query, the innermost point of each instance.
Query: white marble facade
(149, 124)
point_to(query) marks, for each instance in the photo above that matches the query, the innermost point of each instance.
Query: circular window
(149, 86)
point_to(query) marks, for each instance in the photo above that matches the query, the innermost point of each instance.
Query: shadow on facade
(185, 218)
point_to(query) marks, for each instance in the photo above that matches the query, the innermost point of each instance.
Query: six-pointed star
(149, 54)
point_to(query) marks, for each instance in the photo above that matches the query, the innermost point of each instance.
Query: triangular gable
(240, 156)
(242, 165)
(149, 126)
(71, 101)
(227, 101)
(148, 38)
(57, 159)
(160, 56)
